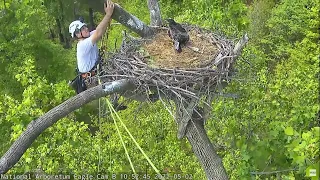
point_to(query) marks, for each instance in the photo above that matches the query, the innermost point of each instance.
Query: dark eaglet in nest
(178, 34)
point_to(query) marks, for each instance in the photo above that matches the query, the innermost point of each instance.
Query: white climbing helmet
(75, 26)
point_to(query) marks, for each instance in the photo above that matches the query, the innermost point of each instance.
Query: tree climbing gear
(78, 84)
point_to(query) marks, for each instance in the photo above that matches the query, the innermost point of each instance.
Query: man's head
(79, 29)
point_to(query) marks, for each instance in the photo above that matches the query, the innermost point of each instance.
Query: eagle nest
(154, 65)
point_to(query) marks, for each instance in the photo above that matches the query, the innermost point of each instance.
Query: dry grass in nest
(162, 53)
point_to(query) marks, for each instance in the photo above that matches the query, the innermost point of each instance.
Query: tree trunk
(190, 121)
(91, 20)
(52, 35)
(204, 150)
(155, 13)
(75, 11)
(36, 127)
(61, 37)
(63, 31)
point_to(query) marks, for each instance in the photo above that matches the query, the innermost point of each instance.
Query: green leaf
(317, 131)
(289, 131)
(306, 136)
(28, 160)
(245, 157)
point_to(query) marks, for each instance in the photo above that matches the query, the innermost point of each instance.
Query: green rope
(144, 154)
(119, 133)
(99, 151)
(99, 121)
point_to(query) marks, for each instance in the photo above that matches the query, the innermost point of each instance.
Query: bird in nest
(178, 34)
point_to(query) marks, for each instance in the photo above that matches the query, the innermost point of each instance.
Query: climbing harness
(78, 84)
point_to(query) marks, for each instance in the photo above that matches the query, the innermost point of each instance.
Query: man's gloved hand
(108, 7)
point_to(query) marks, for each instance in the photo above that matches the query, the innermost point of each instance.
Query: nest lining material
(153, 64)
(198, 51)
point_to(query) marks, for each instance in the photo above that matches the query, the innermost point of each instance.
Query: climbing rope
(119, 133)
(100, 107)
(120, 136)
(99, 119)
(104, 38)
(134, 140)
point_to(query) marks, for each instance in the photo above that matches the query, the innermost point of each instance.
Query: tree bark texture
(123, 17)
(36, 127)
(61, 37)
(64, 35)
(190, 121)
(155, 13)
(91, 20)
(204, 150)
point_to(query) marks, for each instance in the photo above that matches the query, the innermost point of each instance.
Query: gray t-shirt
(87, 54)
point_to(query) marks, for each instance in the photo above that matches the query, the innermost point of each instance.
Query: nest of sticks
(154, 65)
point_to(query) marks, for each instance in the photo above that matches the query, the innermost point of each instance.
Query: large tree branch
(123, 17)
(36, 127)
(155, 13)
(204, 149)
(131, 22)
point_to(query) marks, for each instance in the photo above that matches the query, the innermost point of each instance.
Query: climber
(88, 55)
(87, 49)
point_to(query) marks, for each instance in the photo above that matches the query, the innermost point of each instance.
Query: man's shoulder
(86, 43)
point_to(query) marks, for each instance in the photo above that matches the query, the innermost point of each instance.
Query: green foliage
(23, 40)
(291, 22)
(168, 154)
(227, 17)
(274, 124)
(259, 13)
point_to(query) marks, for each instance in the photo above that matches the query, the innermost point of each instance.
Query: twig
(273, 172)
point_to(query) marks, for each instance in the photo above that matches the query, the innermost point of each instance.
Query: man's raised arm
(103, 25)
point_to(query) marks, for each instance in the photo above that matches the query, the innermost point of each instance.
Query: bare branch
(36, 127)
(155, 13)
(239, 46)
(273, 172)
